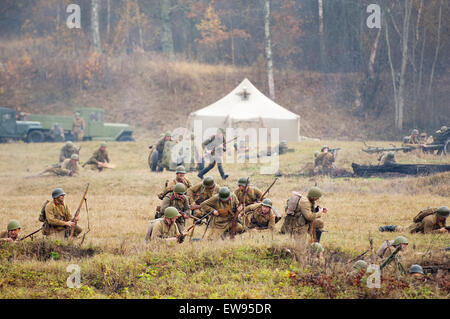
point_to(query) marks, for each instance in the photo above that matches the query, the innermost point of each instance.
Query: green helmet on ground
(57, 192)
(13, 224)
(314, 192)
(242, 181)
(179, 188)
(170, 212)
(416, 269)
(443, 211)
(74, 157)
(360, 264)
(316, 248)
(69, 144)
(224, 193)
(180, 169)
(208, 181)
(267, 202)
(400, 240)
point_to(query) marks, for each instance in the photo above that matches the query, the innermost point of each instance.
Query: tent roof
(254, 107)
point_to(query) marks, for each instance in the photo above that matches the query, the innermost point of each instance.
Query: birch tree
(95, 25)
(268, 49)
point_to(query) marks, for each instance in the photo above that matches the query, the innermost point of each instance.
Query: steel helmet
(443, 211)
(57, 192)
(400, 240)
(179, 188)
(103, 144)
(224, 193)
(360, 264)
(242, 181)
(267, 202)
(69, 144)
(74, 157)
(414, 132)
(208, 181)
(180, 169)
(314, 192)
(406, 139)
(170, 212)
(324, 147)
(390, 155)
(13, 224)
(416, 269)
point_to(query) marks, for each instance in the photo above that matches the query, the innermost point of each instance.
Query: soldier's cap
(13, 224)
(443, 211)
(171, 212)
(360, 264)
(74, 157)
(69, 144)
(416, 269)
(314, 192)
(57, 192)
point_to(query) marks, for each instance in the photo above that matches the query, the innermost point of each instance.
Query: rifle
(394, 257)
(31, 234)
(197, 222)
(268, 189)
(70, 230)
(212, 150)
(233, 225)
(434, 268)
(333, 150)
(372, 150)
(359, 256)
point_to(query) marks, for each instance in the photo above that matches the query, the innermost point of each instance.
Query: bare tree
(269, 49)
(95, 25)
(321, 35)
(166, 29)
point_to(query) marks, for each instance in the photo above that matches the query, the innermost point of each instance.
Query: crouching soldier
(224, 206)
(200, 192)
(259, 216)
(69, 167)
(427, 221)
(12, 233)
(58, 217)
(180, 178)
(302, 214)
(166, 228)
(245, 194)
(100, 159)
(179, 200)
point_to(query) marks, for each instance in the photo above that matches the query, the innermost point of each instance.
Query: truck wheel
(125, 138)
(35, 137)
(447, 147)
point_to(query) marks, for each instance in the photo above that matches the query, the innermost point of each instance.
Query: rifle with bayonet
(31, 234)
(70, 230)
(278, 216)
(236, 214)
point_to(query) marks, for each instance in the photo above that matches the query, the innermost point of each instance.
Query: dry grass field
(116, 263)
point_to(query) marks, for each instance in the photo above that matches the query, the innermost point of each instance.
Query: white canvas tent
(246, 107)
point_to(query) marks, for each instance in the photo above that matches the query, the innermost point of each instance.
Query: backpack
(292, 203)
(42, 214)
(422, 214)
(148, 235)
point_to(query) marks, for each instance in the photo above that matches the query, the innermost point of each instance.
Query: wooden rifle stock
(77, 212)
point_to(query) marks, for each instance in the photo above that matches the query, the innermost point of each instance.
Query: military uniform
(170, 185)
(300, 215)
(198, 193)
(323, 164)
(388, 159)
(66, 152)
(428, 225)
(161, 230)
(219, 225)
(57, 134)
(78, 126)
(98, 156)
(255, 218)
(55, 218)
(67, 168)
(249, 196)
(182, 205)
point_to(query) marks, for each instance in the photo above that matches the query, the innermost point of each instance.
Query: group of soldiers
(68, 163)
(417, 141)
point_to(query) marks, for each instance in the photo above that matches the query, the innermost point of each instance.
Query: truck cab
(29, 131)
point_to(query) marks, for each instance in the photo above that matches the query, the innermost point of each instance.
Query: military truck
(36, 128)
(11, 129)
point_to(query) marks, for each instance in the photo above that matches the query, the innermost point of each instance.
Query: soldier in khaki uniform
(249, 195)
(224, 206)
(414, 138)
(259, 216)
(179, 178)
(58, 217)
(388, 158)
(57, 133)
(78, 127)
(324, 161)
(302, 214)
(200, 192)
(12, 232)
(428, 221)
(99, 158)
(179, 200)
(67, 150)
(165, 228)
(69, 167)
